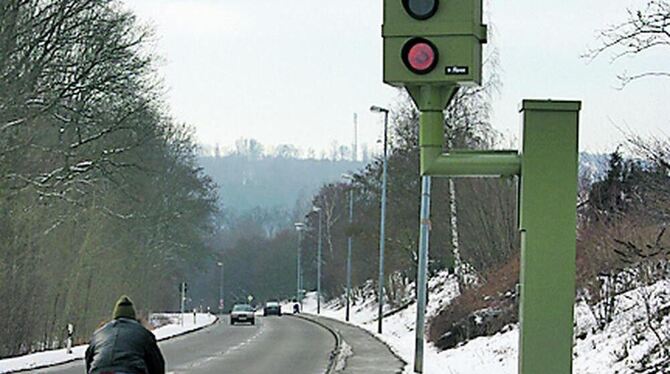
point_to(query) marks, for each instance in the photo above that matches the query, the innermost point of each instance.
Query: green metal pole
(431, 101)
(431, 138)
(548, 235)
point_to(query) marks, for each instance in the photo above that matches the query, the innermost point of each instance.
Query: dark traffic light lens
(420, 56)
(420, 9)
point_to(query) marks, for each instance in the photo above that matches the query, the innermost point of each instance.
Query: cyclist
(124, 346)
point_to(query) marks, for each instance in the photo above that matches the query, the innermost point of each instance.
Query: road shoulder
(358, 350)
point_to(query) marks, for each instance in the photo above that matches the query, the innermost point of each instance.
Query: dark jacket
(124, 345)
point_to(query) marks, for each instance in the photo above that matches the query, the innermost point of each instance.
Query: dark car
(242, 313)
(272, 308)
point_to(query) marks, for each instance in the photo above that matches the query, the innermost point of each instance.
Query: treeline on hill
(100, 193)
(248, 178)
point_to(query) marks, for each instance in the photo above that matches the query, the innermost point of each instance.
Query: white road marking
(219, 355)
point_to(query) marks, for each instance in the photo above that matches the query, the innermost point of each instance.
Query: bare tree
(100, 192)
(643, 30)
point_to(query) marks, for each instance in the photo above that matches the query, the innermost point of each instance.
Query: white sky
(295, 71)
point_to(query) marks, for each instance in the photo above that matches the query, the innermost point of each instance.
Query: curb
(81, 358)
(385, 344)
(335, 353)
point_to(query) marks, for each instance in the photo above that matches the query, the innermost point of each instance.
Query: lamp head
(378, 109)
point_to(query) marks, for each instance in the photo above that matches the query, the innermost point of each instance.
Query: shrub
(479, 311)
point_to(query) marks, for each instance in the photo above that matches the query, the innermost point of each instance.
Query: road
(274, 345)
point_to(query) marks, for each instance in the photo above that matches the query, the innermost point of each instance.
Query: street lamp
(220, 265)
(318, 264)
(349, 177)
(377, 109)
(299, 226)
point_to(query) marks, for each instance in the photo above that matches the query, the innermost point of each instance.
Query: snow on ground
(616, 349)
(53, 357)
(627, 341)
(191, 323)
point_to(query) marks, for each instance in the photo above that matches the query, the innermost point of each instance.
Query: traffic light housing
(433, 42)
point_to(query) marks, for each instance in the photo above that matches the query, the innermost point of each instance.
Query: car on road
(272, 308)
(242, 313)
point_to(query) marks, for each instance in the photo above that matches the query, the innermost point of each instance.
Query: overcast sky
(295, 71)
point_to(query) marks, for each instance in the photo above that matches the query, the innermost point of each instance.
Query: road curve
(274, 345)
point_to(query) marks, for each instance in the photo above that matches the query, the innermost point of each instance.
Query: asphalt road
(274, 345)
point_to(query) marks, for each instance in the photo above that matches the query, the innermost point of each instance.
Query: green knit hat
(124, 308)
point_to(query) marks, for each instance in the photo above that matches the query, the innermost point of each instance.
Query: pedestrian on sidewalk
(123, 345)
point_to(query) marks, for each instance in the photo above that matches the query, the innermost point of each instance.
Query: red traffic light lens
(420, 56)
(420, 9)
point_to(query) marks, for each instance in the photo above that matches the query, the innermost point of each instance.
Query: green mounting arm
(457, 163)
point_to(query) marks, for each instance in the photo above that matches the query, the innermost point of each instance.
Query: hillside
(270, 182)
(279, 182)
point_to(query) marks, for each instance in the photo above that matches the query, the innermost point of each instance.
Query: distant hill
(279, 182)
(270, 182)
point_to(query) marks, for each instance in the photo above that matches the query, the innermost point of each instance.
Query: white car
(242, 313)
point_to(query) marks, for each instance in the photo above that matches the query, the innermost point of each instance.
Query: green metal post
(548, 235)
(431, 138)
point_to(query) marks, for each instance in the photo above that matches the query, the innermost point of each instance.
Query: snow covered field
(619, 348)
(47, 358)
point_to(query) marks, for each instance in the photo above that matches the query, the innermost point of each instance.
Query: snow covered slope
(627, 345)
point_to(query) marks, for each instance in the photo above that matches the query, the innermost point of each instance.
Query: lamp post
(299, 226)
(349, 242)
(318, 264)
(220, 265)
(377, 109)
